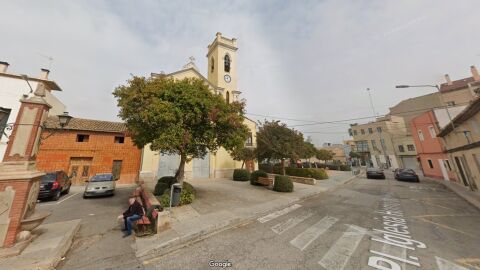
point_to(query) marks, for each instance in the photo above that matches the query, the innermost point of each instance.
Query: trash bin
(176, 190)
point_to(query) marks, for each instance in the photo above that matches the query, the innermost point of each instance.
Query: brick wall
(56, 151)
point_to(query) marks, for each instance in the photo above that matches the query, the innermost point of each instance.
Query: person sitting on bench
(133, 213)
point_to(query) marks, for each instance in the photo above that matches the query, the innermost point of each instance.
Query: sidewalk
(45, 251)
(470, 196)
(221, 204)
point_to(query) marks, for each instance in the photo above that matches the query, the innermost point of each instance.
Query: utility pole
(371, 103)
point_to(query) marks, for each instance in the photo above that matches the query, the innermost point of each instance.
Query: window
(370, 130)
(382, 142)
(432, 132)
(227, 97)
(450, 103)
(362, 131)
(119, 139)
(362, 146)
(448, 164)
(82, 138)
(212, 66)
(354, 132)
(430, 163)
(401, 148)
(410, 147)
(249, 141)
(379, 129)
(116, 169)
(420, 136)
(350, 132)
(374, 144)
(227, 63)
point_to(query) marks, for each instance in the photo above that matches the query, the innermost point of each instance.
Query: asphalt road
(99, 243)
(366, 223)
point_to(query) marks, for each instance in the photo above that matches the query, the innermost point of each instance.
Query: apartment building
(431, 151)
(462, 143)
(383, 143)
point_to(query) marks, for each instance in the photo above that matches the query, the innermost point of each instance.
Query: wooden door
(116, 169)
(80, 169)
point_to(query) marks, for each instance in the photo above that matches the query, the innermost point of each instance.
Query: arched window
(227, 97)
(212, 65)
(227, 63)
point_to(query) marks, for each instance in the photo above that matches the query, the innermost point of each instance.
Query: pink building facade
(430, 150)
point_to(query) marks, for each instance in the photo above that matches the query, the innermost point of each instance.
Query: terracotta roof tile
(87, 125)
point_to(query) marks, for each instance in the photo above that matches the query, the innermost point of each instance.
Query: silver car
(100, 185)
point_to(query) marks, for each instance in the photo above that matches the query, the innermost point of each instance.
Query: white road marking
(278, 213)
(55, 203)
(395, 251)
(448, 265)
(309, 235)
(290, 223)
(338, 255)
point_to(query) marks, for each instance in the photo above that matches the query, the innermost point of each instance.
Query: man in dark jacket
(133, 213)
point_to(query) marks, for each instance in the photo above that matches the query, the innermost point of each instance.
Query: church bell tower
(222, 66)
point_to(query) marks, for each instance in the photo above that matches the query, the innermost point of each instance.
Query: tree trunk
(180, 175)
(243, 162)
(283, 166)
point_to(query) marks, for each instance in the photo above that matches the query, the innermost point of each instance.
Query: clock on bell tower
(222, 65)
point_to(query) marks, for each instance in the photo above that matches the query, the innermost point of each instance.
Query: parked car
(53, 185)
(100, 185)
(375, 173)
(406, 174)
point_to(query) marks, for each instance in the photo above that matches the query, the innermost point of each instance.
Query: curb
(186, 240)
(66, 247)
(466, 197)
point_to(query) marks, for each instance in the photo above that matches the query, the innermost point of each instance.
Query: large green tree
(324, 154)
(278, 142)
(244, 154)
(182, 117)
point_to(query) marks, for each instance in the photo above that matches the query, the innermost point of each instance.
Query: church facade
(222, 80)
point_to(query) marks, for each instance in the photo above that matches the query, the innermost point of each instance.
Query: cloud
(311, 60)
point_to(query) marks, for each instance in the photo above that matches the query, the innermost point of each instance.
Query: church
(222, 80)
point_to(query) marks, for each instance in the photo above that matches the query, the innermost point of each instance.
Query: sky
(305, 60)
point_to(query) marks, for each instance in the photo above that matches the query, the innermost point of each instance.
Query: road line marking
(309, 235)
(397, 252)
(290, 223)
(448, 265)
(452, 215)
(447, 227)
(338, 255)
(278, 213)
(55, 203)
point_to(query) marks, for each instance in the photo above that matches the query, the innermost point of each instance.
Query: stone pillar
(19, 179)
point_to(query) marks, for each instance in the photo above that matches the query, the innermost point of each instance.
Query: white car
(100, 185)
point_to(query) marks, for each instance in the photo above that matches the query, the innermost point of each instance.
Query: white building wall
(11, 91)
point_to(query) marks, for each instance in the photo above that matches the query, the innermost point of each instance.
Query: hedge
(186, 196)
(255, 175)
(283, 183)
(241, 175)
(318, 174)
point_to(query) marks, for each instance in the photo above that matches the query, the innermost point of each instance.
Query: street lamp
(64, 119)
(441, 97)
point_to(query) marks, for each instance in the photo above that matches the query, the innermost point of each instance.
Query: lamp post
(441, 98)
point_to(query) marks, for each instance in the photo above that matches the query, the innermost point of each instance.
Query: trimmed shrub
(318, 174)
(160, 188)
(283, 184)
(241, 175)
(186, 196)
(254, 177)
(169, 180)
